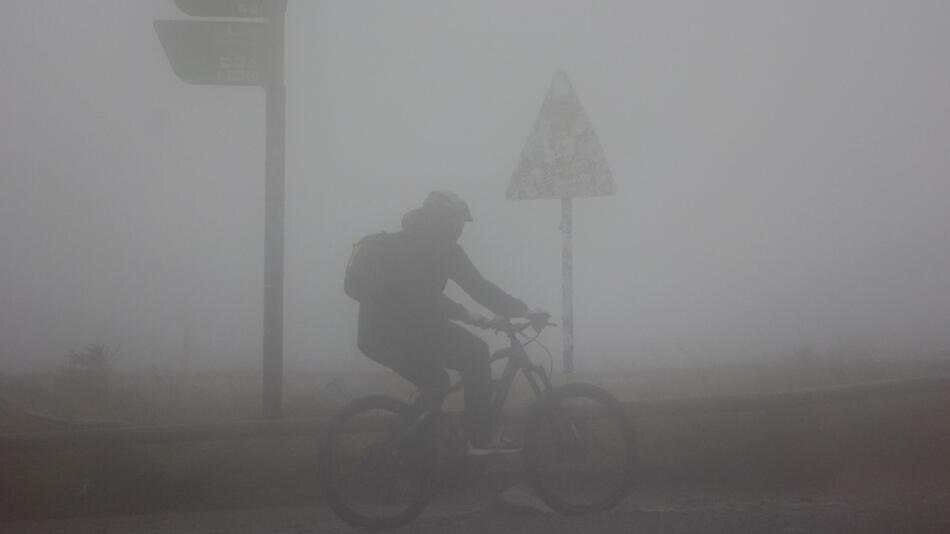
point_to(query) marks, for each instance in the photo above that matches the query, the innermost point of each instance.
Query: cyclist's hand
(535, 313)
(477, 319)
(539, 318)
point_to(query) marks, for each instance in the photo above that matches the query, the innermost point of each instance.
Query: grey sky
(782, 169)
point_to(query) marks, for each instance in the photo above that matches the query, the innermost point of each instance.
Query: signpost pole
(567, 283)
(226, 52)
(275, 114)
(562, 158)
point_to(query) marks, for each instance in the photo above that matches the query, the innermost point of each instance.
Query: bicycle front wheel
(377, 463)
(580, 450)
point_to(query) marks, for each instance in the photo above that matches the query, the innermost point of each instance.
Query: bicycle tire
(413, 459)
(555, 446)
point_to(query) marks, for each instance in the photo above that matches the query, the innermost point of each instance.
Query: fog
(782, 171)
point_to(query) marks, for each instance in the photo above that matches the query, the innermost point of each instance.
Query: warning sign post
(562, 159)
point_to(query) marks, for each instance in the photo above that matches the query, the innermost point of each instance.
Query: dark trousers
(421, 351)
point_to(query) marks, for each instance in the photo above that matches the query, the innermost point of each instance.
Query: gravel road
(517, 511)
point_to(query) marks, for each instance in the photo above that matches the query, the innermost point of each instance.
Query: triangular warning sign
(562, 157)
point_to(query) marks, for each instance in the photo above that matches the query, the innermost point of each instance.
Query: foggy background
(781, 169)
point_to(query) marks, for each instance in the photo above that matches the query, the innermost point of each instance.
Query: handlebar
(536, 320)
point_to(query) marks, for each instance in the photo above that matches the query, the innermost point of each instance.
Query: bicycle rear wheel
(377, 463)
(580, 450)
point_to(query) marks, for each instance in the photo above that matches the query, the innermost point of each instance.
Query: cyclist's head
(442, 216)
(448, 204)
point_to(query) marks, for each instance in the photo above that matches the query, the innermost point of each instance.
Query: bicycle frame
(518, 360)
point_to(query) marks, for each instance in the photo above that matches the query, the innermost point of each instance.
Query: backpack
(370, 267)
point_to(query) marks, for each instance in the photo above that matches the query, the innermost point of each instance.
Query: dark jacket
(424, 260)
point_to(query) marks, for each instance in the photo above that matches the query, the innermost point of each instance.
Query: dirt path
(518, 512)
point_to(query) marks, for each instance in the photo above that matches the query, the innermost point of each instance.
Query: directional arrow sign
(215, 52)
(562, 157)
(226, 8)
(246, 53)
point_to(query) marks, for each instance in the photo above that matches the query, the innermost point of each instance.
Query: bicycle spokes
(378, 472)
(580, 451)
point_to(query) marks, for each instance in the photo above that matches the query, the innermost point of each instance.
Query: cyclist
(409, 327)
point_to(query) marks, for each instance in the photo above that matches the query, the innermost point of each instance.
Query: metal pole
(567, 274)
(275, 107)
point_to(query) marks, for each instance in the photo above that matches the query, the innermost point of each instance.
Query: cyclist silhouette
(408, 327)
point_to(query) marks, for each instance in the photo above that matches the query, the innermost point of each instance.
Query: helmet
(448, 203)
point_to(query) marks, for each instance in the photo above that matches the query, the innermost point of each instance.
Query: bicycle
(382, 459)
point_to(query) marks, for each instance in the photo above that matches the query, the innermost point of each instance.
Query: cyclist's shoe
(498, 445)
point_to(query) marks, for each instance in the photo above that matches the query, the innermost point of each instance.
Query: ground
(875, 466)
(658, 512)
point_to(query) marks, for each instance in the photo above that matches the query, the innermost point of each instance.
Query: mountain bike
(382, 459)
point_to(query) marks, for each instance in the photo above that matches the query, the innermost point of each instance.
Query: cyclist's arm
(464, 273)
(450, 309)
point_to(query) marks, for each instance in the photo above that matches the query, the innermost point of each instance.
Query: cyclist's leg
(459, 349)
(420, 352)
(431, 379)
(397, 345)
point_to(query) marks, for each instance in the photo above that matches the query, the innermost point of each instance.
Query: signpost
(248, 53)
(231, 8)
(562, 159)
(215, 52)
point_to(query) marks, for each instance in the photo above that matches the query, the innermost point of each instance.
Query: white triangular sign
(562, 157)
